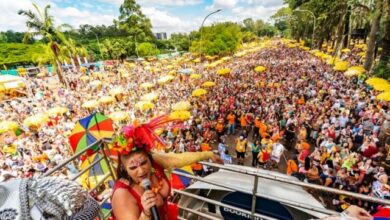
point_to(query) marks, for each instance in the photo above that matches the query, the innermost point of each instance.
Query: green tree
(16, 54)
(41, 24)
(147, 49)
(219, 39)
(249, 25)
(134, 22)
(248, 37)
(181, 41)
(377, 14)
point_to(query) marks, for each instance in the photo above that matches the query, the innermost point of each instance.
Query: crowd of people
(326, 128)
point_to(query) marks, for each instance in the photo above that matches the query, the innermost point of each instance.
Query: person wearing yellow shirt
(266, 143)
(240, 150)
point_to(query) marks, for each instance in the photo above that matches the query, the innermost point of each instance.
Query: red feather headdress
(138, 136)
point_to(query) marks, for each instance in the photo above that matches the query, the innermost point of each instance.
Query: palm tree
(73, 50)
(41, 24)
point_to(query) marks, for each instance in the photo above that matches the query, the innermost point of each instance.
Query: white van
(269, 202)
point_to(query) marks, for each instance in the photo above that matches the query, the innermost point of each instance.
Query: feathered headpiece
(138, 136)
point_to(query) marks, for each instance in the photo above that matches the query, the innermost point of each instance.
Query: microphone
(147, 185)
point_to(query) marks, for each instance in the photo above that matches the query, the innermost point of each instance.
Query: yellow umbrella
(36, 120)
(360, 69)
(117, 91)
(362, 54)
(150, 97)
(375, 80)
(172, 72)
(223, 71)
(41, 74)
(208, 84)
(381, 86)
(144, 105)
(84, 78)
(165, 79)
(385, 96)
(260, 69)
(8, 126)
(118, 116)
(182, 106)
(182, 115)
(195, 76)
(125, 75)
(346, 50)
(331, 60)
(226, 58)
(306, 48)
(354, 71)
(197, 60)
(147, 85)
(106, 100)
(170, 67)
(351, 73)
(199, 92)
(90, 104)
(341, 66)
(97, 74)
(57, 111)
(95, 83)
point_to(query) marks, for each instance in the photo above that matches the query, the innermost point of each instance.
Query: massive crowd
(326, 128)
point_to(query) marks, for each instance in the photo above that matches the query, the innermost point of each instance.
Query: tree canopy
(218, 39)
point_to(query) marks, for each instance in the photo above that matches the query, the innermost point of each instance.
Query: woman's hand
(148, 200)
(216, 159)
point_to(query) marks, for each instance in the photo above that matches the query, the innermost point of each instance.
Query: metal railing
(102, 147)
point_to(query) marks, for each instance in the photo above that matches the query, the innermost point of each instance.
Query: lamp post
(201, 27)
(314, 23)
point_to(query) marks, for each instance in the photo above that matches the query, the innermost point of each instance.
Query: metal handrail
(221, 204)
(299, 183)
(101, 145)
(288, 202)
(100, 182)
(87, 168)
(63, 164)
(198, 213)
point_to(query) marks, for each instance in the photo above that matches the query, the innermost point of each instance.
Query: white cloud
(10, 20)
(265, 3)
(222, 4)
(171, 2)
(157, 2)
(162, 21)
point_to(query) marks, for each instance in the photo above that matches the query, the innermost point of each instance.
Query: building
(161, 36)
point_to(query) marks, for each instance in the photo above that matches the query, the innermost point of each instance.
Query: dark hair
(121, 171)
(307, 163)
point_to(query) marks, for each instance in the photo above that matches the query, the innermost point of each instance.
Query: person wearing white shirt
(277, 151)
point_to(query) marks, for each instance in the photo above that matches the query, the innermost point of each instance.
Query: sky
(166, 15)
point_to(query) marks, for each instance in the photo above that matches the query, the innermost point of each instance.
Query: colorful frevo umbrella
(98, 169)
(96, 173)
(181, 182)
(89, 130)
(106, 208)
